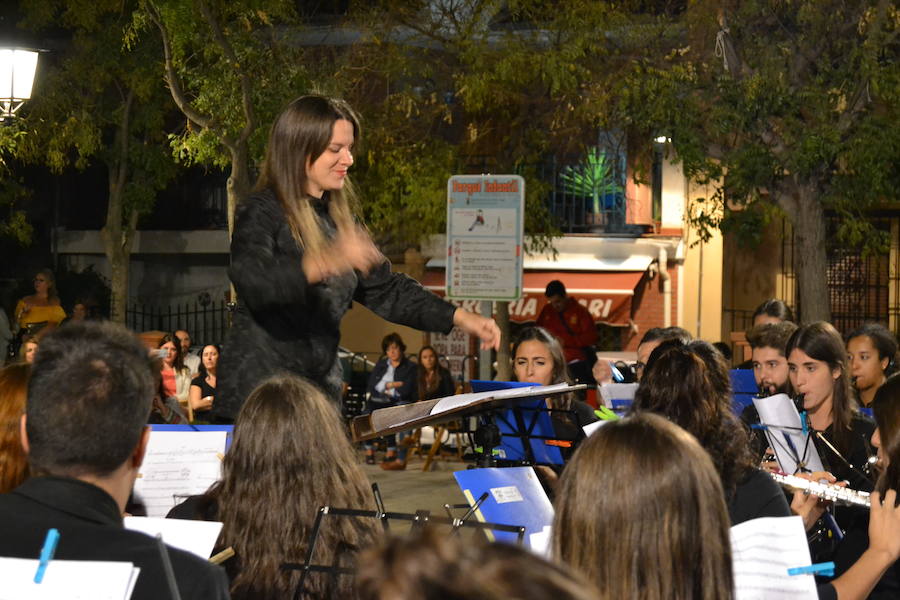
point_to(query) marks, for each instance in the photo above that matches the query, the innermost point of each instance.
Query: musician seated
(434, 565)
(85, 436)
(866, 558)
(640, 512)
(690, 385)
(289, 455)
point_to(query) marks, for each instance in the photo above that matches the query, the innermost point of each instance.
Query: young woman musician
(690, 385)
(872, 352)
(290, 455)
(817, 367)
(663, 532)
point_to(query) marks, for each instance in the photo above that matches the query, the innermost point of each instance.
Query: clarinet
(826, 491)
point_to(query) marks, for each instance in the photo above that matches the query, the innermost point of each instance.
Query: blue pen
(46, 554)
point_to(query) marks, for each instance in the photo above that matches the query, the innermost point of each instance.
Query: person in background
(690, 385)
(772, 310)
(203, 386)
(651, 339)
(190, 360)
(176, 378)
(13, 391)
(640, 513)
(770, 371)
(6, 336)
(85, 434)
(434, 380)
(40, 312)
(392, 382)
(29, 348)
(872, 351)
(290, 455)
(573, 326)
(429, 565)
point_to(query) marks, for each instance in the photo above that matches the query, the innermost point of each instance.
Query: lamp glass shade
(17, 69)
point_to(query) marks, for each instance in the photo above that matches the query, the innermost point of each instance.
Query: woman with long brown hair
(299, 258)
(689, 384)
(13, 392)
(290, 455)
(817, 366)
(434, 381)
(176, 378)
(640, 513)
(40, 312)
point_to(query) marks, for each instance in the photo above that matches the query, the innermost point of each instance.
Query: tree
(791, 106)
(101, 102)
(230, 67)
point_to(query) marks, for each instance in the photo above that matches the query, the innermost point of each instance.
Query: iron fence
(206, 322)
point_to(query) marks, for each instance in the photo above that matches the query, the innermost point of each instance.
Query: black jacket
(284, 324)
(406, 372)
(90, 528)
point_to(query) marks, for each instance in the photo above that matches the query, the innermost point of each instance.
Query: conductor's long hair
(299, 136)
(289, 456)
(886, 407)
(640, 512)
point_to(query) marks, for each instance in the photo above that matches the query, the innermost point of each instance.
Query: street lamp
(17, 67)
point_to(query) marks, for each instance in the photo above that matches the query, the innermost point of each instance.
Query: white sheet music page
(453, 402)
(196, 537)
(785, 434)
(67, 580)
(762, 552)
(178, 464)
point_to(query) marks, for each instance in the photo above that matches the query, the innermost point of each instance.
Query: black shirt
(757, 495)
(90, 528)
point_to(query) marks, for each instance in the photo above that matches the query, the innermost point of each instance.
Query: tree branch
(178, 95)
(228, 50)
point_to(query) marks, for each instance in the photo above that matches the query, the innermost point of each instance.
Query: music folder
(385, 421)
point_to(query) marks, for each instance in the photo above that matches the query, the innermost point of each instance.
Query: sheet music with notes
(67, 580)
(762, 552)
(453, 402)
(178, 464)
(196, 537)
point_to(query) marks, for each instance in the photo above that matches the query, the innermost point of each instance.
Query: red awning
(606, 294)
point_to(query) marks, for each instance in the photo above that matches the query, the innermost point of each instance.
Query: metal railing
(206, 322)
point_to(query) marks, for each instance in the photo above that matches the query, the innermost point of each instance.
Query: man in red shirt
(572, 325)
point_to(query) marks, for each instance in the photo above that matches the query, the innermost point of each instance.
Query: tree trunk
(117, 234)
(504, 361)
(811, 264)
(238, 181)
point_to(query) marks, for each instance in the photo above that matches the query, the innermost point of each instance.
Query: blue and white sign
(485, 224)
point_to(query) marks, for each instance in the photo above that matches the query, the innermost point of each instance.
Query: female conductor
(299, 258)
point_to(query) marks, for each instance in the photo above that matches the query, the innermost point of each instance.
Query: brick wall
(648, 307)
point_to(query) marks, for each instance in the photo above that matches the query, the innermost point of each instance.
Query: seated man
(85, 433)
(770, 370)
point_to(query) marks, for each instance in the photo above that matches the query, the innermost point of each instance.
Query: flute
(826, 491)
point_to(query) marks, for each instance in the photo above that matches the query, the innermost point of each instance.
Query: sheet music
(196, 537)
(590, 428)
(453, 402)
(762, 552)
(623, 392)
(785, 436)
(67, 580)
(178, 464)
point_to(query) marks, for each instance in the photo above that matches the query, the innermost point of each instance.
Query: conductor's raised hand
(486, 329)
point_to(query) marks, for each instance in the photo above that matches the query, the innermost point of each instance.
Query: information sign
(485, 223)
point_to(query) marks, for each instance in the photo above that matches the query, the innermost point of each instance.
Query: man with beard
(770, 369)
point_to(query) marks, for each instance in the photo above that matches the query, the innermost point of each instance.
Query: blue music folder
(515, 497)
(743, 388)
(536, 425)
(191, 427)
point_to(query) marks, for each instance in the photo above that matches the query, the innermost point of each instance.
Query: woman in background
(29, 349)
(290, 455)
(434, 380)
(40, 312)
(203, 386)
(13, 392)
(176, 378)
(872, 352)
(640, 513)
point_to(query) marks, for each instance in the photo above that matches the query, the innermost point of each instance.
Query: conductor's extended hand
(486, 329)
